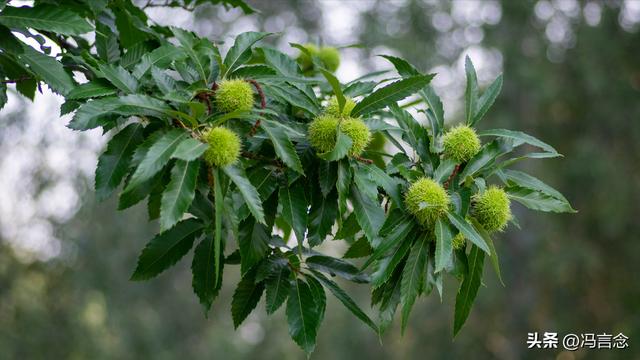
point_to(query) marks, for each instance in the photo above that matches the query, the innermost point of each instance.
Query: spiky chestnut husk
(233, 95)
(224, 147)
(330, 58)
(333, 107)
(322, 133)
(492, 209)
(427, 201)
(459, 242)
(461, 143)
(305, 61)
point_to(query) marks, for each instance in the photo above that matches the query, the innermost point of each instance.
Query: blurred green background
(571, 77)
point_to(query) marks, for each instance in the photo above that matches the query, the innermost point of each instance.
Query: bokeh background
(571, 77)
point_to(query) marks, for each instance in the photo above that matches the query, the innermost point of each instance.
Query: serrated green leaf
(414, 133)
(346, 300)
(471, 91)
(206, 279)
(337, 90)
(444, 246)
(343, 184)
(487, 99)
(518, 138)
(166, 249)
(47, 68)
(218, 202)
(468, 231)
(525, 180)
(282, 63)
(384, 268)
(247, 190)
(253, 241)
(389, 94)
(536, 200)
(320, 298)
(485, 157)
(160, 57)
(322, 216)
(106, 42)
(283, 146)
(403, 67)
(179, 193)
(240, 52)
(189, 149)
(245, 298)
(340, 150)
(413, 277)
(370, 214)
(113, 164)
(444, 170)
(157, 156)
(327, 176)
(469, 288)
(337, 267)
(302, 316)
(435, 105)
(57, 19)
(495, 261)
(278, 286)
(358, 249)
(119, 77)
(90, 90)
(396, 234)
(294, 208)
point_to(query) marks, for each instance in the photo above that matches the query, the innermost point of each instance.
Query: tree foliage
(154, 90)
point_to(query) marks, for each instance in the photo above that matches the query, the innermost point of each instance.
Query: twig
(453, 174)
(366, 161)
(21, 78)
(263, 105)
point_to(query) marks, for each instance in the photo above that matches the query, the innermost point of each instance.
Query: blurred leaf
(166, 249)
(468, 289)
